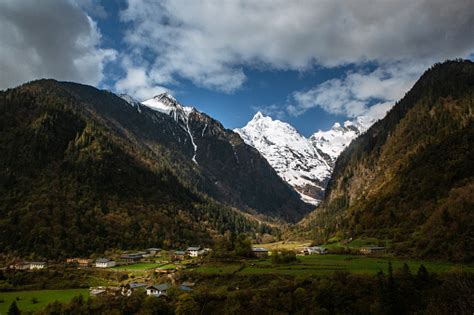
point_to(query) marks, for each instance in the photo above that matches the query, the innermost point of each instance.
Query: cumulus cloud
(369, 93)
(211, 42)
(53, 39)
(138, 82)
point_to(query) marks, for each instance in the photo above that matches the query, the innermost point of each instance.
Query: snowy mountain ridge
(304, 163)
(167, 104)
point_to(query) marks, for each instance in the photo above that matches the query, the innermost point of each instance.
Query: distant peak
(336, 125)
(165, 95)
(258, 116)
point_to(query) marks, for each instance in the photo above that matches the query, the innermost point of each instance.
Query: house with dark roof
(179, 255)
(157, 289)
(131, 258)
(260, 252)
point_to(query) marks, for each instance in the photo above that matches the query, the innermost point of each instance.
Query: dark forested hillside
(72, 183)
(409, 179)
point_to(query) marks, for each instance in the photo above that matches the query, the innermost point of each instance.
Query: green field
(44, 297)
(326, 264)
(137, 267)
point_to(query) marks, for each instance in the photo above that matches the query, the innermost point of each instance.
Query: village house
(132, 257)
(104, 263)
(37, 265)
(260, 252)
(370, 250)
(84, 262)
(314, 250)
(157, 290)
(20, 265)
(133, 286)
(111, 291)
(195, 251)
(179, 255)
(96, 291)
(28, 265)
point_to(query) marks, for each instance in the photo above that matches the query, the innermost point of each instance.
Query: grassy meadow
(43, 298)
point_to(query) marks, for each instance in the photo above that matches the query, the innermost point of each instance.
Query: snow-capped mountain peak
(291, 155)
(333, 141)
(304, 163)
(167, 104)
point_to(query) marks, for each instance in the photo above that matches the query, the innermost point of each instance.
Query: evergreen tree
(13, 309)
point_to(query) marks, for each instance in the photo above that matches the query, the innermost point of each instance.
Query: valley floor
(212, 277)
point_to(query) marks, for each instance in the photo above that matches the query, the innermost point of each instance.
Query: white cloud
(368, 93)
(210, 42)
(138, 83)
(49, 39)
(93, 7)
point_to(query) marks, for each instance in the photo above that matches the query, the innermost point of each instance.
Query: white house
(314, 250)
(195, 251)
(37, 265)
(157, 290)
(104, 263)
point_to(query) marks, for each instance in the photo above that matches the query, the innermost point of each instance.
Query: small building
(314, 250)
(179, 255)
(195, 251)
(96, 291)
(128, 289)
(20, 265)
(260, 252)
(37, 265)
(371, 250)
(82, 262)
(104, 263)
(131, 258)
(136, 285)
(157, 290)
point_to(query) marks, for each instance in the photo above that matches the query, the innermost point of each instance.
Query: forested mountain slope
(409, 179)
(81, 171)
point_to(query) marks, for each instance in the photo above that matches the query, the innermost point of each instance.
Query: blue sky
(261, 88)
(310, 63)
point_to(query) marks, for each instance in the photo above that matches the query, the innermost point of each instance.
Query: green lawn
(168, 266)
(44, 297)
(326, 264)
(137, 267)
